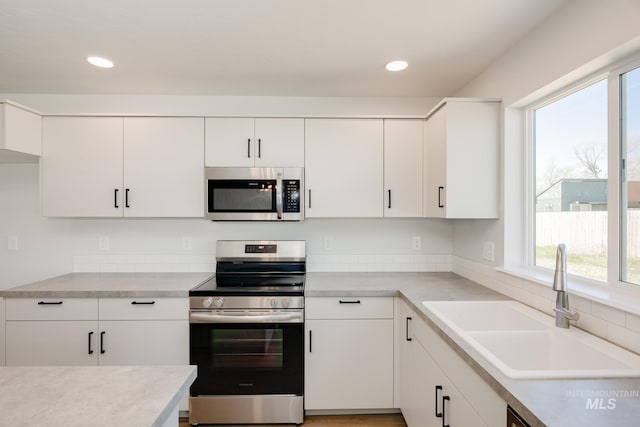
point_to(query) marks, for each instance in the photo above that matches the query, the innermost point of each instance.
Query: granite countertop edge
(176, 399)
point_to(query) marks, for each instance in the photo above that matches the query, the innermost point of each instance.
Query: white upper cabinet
(259, 142)
(461, 154)
(403, 168)
(20, 134)
(344, 167)
(81, 166)
(163, 162)
(113, 167)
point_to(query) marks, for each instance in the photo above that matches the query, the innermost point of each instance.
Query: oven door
(239, 358)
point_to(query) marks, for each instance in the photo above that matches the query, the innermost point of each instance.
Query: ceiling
(257, 47)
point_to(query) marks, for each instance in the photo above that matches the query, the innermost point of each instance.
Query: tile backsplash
(333, 262)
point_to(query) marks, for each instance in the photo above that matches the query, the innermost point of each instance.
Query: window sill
(621, 297)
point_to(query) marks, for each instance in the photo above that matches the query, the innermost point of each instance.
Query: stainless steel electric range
(247, 335)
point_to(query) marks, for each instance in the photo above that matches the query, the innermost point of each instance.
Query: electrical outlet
(416, 243)
(187, 243)
(103, 243)
(328, 243)
(488, 251)
(12, 243)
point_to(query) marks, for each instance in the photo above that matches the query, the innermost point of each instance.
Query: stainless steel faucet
(563, 313)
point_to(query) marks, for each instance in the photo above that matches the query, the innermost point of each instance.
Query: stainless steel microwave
(254, 194)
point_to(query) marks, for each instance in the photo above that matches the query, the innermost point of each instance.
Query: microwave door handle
(279, 195)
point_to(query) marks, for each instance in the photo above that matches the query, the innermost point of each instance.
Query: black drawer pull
(143, 302)
(115, 198)
(126, 198)
(444, 412)
(49, 302)
(438, 414)
(310, 341)
(102, 350)
(411, 339)
(440, 205)
(90, 339)
(350, 302)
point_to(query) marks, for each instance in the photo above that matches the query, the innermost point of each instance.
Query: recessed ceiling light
(396, 65)
(100, 62)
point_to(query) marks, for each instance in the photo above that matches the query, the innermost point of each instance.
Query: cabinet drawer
(144, 308)
(51, 308)
(349, 308)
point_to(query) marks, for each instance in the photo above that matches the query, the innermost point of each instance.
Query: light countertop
(132, 396)
(110, 285)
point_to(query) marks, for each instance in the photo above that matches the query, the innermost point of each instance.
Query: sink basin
(488, 315)
(522, 342)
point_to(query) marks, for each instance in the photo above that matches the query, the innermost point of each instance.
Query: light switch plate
(488, 250)
(103, 243)
(416, 243)
(187, 243)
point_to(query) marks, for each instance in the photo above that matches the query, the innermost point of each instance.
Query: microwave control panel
(291, 195)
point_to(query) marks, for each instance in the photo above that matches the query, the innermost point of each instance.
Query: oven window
(247, 348)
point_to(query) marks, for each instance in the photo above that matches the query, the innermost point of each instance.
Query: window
(586, 143)
(570, 138)
(630, 176)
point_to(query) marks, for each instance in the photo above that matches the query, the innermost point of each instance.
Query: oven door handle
(262, 318)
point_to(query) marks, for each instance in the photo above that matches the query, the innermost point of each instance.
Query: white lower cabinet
(349, 353)
(436, 386)
(69, 331)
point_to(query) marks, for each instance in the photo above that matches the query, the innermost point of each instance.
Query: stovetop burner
(256, 268)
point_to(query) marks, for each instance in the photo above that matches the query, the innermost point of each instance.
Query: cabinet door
(163, 162)
(349, 364)
(229, 142)
(20, 132)
(403, 168)
(279, 143)
(81, 166)
(435, 159)
(51, 343)
(344, 167)
(144, 342)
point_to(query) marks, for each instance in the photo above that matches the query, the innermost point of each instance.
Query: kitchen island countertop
(69, 396)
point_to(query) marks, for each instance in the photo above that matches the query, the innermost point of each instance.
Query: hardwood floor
(386, 420)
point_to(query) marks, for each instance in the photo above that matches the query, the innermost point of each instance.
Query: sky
(580, 120)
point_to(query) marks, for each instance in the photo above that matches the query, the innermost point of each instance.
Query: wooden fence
(583, 232)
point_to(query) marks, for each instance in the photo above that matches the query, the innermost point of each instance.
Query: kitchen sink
(522, 342)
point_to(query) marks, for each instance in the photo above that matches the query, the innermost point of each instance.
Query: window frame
(612, 75)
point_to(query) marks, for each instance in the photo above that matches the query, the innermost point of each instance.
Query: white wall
(582, 37)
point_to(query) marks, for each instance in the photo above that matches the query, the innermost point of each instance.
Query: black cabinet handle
(407, 332)
(102, 350)
(90, 339)
(259, 148)
(440, 205)
(438, 414)
(310, 341)
(115, 198)
(349, 302)
(309, 199)
(389, 205)
(249, 148)
(126, 198)
(143, 302)
(49, 302)
(444, 412)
